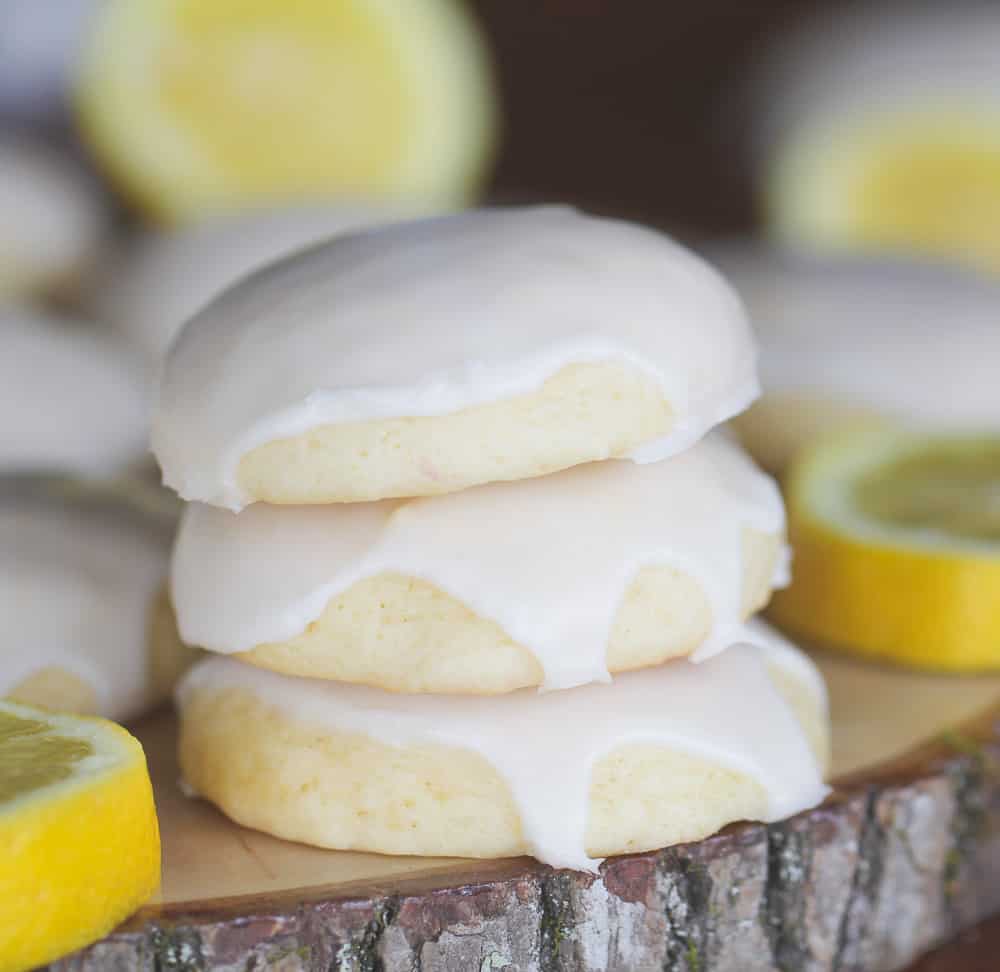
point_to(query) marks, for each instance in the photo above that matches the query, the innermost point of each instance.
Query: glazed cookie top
(547, 559)
(434, 316)
(727, 711)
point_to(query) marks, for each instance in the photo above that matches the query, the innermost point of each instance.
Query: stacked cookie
(84, 545)
(401, 531)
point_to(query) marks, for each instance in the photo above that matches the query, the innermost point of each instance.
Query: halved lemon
(879, 128)
(896, 542)
(924, 181)
(79, 844)
(196, 106)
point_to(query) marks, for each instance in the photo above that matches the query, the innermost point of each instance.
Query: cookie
(431, 356)
(552, 581)
(84, 622)
(658, 757)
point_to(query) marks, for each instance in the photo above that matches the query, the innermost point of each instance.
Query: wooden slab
(905, 854)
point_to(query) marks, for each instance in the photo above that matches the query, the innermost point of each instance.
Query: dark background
(632, 106)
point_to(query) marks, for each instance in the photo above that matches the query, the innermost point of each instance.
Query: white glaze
(75, 593)
(547, 559)
(909, 338)
(69, 399)
(433, 316)
(158, 281)
(726, 710)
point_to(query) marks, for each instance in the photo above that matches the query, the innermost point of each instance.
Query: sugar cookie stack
(399, 532)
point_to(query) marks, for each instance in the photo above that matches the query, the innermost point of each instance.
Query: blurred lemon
(896, 542)
(880, 129)
(197, 106)
(926, 182)
(79, 845)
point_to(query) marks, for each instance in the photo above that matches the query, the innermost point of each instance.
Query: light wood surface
(878, 714)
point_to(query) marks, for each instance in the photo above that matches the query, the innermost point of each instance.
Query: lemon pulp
(32, 758)
(300, 62)
(946, 490)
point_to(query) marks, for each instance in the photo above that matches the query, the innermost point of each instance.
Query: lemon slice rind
(77, 854)
(919, 597)
(433, 57)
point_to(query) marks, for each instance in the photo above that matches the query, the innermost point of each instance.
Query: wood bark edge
(885, 869)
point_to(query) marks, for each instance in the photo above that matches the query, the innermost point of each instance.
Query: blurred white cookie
(71, 399)
(83, 620)
(852, 341)
(154, 283)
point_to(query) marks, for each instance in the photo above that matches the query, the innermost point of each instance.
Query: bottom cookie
(657, 757)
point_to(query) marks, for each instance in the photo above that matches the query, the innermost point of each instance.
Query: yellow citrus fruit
(79, 844)
(925, 182)
(201, 106)
(896, 542)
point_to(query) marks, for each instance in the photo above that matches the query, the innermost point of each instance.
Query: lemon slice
(79, 845)
(896, 543)
(198, 106)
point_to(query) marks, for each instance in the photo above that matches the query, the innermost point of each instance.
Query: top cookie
(430, 356)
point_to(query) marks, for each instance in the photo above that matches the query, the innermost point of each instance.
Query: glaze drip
(547, 559)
